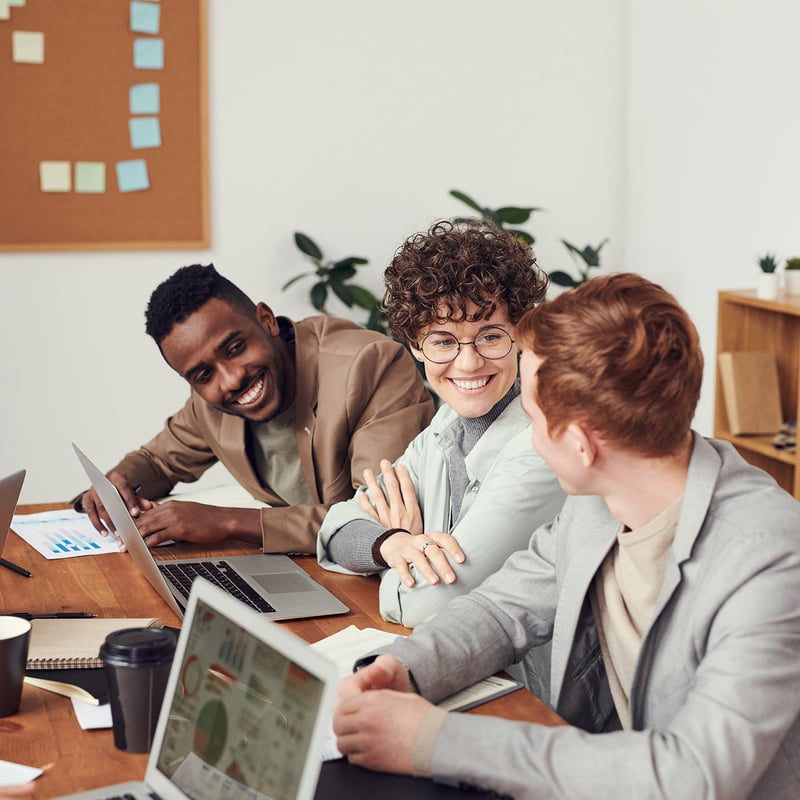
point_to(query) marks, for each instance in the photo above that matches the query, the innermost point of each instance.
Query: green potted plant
(502, 217)
(589, 259)
(332, 277)
(792, 275)
(767, 286)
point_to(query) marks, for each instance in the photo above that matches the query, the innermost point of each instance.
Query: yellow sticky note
(27, 47)
(54, 176)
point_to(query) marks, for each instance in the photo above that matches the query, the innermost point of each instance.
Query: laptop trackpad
(283, 582)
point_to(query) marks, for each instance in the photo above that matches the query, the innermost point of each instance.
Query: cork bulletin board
(103, 129)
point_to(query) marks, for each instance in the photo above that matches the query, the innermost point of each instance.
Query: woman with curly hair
(469, 490)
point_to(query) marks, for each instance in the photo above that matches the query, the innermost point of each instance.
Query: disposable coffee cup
(15, 635)
(137, 663)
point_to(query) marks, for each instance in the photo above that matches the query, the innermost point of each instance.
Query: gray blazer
(716, 692)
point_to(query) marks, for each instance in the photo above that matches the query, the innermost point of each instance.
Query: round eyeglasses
(491, 342)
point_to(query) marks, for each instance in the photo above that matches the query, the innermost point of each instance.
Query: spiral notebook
(75, 643)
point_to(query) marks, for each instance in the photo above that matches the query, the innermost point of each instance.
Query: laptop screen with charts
(272, 584)
(10, 488)
(245, 710)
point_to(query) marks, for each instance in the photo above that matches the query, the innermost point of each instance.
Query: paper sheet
(63, 533)
(12, 774)
(92, 717)
(349, 644)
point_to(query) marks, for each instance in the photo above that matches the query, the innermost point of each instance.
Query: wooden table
(45, 732)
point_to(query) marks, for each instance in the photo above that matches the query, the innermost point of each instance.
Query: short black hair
(184, 292)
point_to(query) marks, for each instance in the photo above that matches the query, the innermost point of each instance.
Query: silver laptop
(245, 710)
(272, 584)
(10, 488)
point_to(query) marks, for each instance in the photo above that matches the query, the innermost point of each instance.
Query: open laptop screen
(242, 715)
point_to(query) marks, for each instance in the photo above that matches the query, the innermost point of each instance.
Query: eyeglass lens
(490, 343)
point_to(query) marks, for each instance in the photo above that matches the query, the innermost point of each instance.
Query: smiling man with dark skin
(295, 412)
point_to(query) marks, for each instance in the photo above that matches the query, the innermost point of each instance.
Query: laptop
(272, 584)
(245, 710)
(10, 488)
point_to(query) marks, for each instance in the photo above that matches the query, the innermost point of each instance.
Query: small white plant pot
(792, 281)
(767, 286)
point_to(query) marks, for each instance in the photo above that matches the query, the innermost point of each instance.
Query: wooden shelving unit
(745, 322)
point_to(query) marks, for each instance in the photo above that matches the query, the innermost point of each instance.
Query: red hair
(619, 355)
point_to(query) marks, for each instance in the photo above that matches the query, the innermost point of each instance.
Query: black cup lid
(138, 646)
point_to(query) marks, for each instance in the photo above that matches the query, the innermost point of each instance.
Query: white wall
(669, 129)
(350, 121)
(713, 150)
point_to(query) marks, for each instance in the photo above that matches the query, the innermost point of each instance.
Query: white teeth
(252, 394)
(476, 384)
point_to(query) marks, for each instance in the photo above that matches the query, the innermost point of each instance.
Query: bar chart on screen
(63, 533)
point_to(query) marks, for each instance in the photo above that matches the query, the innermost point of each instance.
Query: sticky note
(145, 17)
(148, 53)
(132, 175)
(5, 9)
(145, 98)
(145, 132)
(19, 3)
(90, 177)
(27, 47)
(54, 176)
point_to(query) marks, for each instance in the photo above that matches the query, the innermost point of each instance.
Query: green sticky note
(90, 177)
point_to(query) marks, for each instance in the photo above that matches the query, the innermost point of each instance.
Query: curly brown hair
(434, 275)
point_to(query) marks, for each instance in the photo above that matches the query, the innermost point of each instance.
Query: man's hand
(179, 520)
(385, 672)
(398, 508)
(377, 716)
(97, 512)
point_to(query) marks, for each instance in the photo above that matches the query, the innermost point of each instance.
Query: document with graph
(63, 533)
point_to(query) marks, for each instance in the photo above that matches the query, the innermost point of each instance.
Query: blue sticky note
(145, 98)
(132, 175)
(148, 53)
(145, 17)
(145, 132)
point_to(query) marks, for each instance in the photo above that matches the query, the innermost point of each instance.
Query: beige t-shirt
(624, 596)
(276, 460)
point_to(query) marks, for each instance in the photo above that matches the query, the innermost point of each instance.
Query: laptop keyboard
(220, 574)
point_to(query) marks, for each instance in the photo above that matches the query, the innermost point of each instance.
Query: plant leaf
(561, 278)
(294, 280)
(341, 272)
(513, 215)
(319, 294)
(350, 261)
(342, 291)
(362, 297)
(523, 236)
(574, 250)
(307, 245)
(466, 199)
(377, 321)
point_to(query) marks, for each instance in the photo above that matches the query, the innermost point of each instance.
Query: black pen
(60, 615)
(14, 568)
